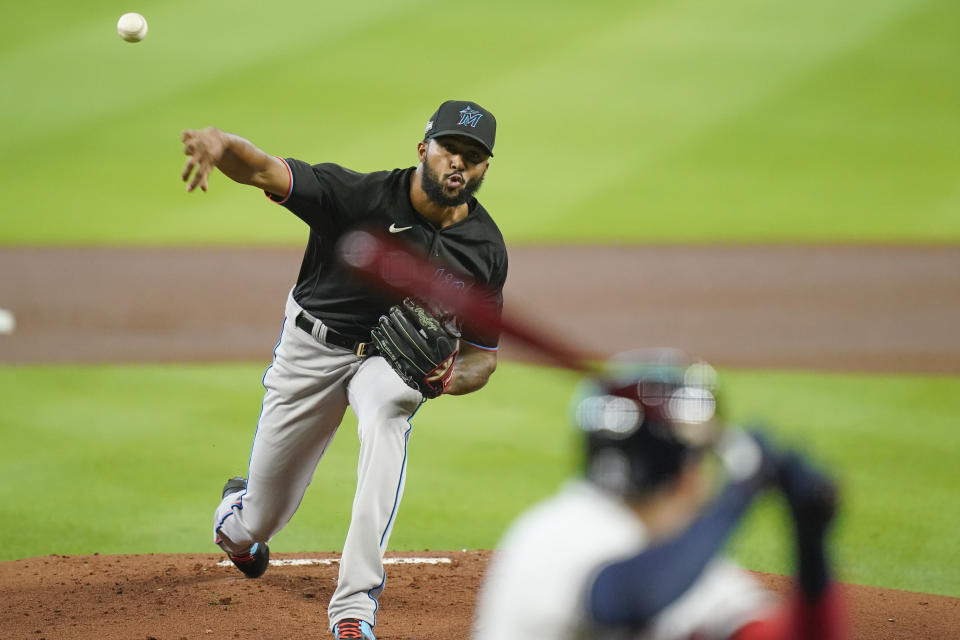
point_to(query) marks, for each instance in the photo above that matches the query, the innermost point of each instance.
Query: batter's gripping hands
(419, 347)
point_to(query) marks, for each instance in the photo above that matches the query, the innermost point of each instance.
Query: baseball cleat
(254, 563)
(353, 629)
(233, 485)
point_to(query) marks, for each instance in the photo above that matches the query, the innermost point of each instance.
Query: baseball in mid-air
(132, 27)
(7, 322)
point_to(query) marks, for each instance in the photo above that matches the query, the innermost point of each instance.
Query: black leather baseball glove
(419, 346)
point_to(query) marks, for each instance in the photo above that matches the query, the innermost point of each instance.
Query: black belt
(359, 348)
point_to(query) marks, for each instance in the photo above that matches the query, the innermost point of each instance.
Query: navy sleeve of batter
(630, 593)
(311, 196)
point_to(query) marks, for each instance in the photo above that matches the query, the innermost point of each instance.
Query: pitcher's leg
(384, 406)
(286, 451)
(305, 401)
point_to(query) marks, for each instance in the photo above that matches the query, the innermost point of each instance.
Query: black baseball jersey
(333, 200)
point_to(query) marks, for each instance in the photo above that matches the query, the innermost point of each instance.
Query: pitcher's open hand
(203, 148)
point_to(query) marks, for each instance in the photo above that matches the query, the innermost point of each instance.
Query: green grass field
(745, 121)
(130, 459)
(619, 121)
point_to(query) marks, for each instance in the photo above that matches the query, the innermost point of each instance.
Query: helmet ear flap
(610, 468)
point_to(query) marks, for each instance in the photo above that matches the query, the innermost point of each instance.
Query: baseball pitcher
(345, 344)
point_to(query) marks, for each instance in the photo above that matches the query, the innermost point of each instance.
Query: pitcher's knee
(246, 526)
(394, 429)
(395, 411)
(264, 527)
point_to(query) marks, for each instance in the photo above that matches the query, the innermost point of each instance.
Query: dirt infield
(827, 308)
(191, 597)
(889, 309)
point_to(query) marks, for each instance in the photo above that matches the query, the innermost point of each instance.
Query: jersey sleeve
(632, 592)
(723, 600)
(313, 194)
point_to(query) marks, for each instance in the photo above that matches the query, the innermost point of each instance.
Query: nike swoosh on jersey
(395, 229)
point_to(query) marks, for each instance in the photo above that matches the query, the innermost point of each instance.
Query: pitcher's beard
(433, 187)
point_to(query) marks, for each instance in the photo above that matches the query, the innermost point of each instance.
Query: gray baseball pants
(308, 388)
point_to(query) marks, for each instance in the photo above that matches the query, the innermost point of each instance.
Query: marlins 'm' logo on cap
(463, 118)
(469, 117)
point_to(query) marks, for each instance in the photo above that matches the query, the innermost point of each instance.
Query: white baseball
(132, 27)
(7, 322)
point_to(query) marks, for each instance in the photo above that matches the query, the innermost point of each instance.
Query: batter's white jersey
(537, 580)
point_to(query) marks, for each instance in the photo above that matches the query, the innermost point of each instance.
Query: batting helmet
(645, 417)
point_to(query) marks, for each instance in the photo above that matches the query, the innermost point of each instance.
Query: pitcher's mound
(429, 596)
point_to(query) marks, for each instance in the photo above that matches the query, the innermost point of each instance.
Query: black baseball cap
(463, 118)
